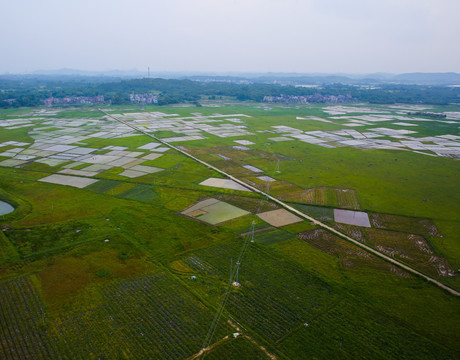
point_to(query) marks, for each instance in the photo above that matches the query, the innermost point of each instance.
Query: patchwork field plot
(411, 248)
(79, 182)
(347, 198)
(103, 186)
(318, 212)
(142, 193)
(351, 256)
(279, 217)
(358, 218)
(223, 184)
(253, 205)
(413, 225)
(111, 266)
(214, 211)
(272, 237)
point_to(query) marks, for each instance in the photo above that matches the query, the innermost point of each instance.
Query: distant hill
(449, 78)
(76, 72)
(442, 79)
(373, 79)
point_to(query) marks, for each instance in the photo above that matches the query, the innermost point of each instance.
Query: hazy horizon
(232, 36)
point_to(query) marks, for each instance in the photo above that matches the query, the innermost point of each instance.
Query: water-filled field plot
(224, 184)
(214, 211)
(358, 218)
(75, 181)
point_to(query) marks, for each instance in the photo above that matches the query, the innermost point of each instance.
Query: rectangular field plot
(252, 168)
(103, 186)
(279, 217)
(413, 225)
(78, 172)
(214, 211)
(318, 212)
(148, 317)
(266, 178)
(224, 184)
(75, 181)
(350, 217)
(144, 193)
(347, 198)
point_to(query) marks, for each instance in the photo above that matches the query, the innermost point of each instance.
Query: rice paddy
(213, 211)
(119, 247)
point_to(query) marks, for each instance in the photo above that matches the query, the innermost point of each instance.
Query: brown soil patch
(279, 217)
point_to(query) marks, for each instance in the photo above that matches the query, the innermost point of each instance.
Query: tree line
(17, 91)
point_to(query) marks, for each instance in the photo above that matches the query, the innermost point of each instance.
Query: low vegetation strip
(297, 212)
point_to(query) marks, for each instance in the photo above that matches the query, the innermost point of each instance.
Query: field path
(297, 212)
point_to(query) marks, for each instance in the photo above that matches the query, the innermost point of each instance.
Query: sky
(306, 36)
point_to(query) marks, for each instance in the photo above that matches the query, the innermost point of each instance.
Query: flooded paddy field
(105, 216)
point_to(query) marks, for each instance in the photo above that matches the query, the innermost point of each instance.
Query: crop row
(197, 264)
(271, 303)
(352, 330)
(146, 317)
(23, 322)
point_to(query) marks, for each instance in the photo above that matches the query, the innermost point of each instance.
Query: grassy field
(115, 270)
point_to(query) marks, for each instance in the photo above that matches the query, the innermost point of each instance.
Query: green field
(120, 270)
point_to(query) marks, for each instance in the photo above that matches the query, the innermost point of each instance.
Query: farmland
(120, 247)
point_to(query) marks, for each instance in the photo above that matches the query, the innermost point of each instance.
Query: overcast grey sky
(354, 36)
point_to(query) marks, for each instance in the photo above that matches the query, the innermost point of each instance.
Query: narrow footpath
(297, 212)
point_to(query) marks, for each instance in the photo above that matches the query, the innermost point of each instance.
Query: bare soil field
(279, 217)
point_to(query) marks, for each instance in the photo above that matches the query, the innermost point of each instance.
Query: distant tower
(277, 166)
(148, 71)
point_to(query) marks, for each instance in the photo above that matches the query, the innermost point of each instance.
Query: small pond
(5, 208)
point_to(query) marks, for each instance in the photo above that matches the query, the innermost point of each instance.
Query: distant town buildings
(143, 99)
(74, 100)
(9, 101)
(305, 99)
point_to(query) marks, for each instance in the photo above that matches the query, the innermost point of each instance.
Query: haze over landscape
(229, 179)
(356, 36)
